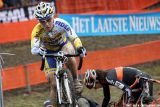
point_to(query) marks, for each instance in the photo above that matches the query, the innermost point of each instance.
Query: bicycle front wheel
(149, 101)
(67, 90)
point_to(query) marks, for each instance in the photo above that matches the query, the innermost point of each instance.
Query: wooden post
(28, 87)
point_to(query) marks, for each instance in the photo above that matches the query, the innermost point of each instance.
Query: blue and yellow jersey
(56, 38)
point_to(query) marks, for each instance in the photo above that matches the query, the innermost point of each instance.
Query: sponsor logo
(65, 26)
(118, 84)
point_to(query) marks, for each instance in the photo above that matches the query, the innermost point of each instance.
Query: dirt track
(23, 55)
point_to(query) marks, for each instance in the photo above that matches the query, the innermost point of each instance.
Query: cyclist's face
(47, 24)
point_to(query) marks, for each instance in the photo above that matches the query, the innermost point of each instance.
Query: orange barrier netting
(104, 59)
(13, 78)
(82, 6)
(16, 77)
(123, 56)
(11, 32)
(34, 70)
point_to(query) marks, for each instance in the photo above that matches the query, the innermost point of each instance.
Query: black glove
(130, 99)
(81, 51)
(42, 51)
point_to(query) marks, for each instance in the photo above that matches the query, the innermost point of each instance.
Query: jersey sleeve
(35, 39)
(74, 38)
(71, 35)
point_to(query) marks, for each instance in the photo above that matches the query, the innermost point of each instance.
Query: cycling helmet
(90, 78)
(44, 11)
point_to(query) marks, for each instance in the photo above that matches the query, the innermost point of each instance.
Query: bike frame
(60, 66)
(145, 91)
(65, 80)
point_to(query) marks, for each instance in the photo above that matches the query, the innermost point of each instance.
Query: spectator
(16, 2)
(7, 3)
(12, 3)
(26, 2)
(1, 4)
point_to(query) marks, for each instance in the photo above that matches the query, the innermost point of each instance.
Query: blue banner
(107, 25)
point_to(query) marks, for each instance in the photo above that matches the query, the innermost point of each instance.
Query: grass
(20, 97)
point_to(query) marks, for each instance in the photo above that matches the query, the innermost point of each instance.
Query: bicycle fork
(66, 86)
(58, 90)
(58, 84)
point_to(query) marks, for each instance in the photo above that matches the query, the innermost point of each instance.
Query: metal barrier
(1, 88)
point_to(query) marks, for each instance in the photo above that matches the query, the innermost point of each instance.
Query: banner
(18, 14)
(120, 24)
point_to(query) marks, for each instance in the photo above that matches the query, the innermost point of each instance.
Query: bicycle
(144, 99)
(64, 81)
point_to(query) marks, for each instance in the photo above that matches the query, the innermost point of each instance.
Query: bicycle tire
(149, 101)
(72, 91)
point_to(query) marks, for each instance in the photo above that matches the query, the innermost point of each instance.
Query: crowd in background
(19, 3)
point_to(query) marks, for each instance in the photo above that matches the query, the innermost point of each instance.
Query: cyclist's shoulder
(38, 26)
(62, 23)
(37, 29)
(132, 69)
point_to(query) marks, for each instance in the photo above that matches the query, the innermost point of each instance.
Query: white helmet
(90, 78)
(44, 11)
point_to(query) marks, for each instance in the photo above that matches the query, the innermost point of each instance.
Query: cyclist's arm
(72, 36)
(106, 98)
(35, 40)
(119, 84)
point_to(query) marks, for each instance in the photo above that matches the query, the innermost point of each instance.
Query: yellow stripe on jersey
(77, 43)
(37, 31)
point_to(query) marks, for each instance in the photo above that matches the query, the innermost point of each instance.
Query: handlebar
(56, 56)
(147, 79)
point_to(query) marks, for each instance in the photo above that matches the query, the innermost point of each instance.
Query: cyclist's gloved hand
(35, 50)
(81, 51)
(42, 51)
(130, 99)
